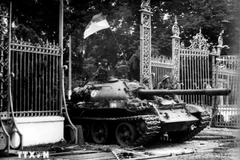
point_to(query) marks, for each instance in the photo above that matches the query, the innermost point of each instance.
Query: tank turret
(116, 89)
(125, 112)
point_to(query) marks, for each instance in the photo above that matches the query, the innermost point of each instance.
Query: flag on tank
(97, 23)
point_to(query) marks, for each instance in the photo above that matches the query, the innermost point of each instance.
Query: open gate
(227, 113)
(30, 81)
(195, 69)
(160, 66)
(198, 67)
(31, 87)
(35, 79)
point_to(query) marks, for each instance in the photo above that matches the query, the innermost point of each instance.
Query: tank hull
(146, 122)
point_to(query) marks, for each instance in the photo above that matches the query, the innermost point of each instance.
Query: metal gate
(30, 74)
(227, 113)
(198, 67)
(35, 78)
(31, 80)
(160, 66)
(194, 69)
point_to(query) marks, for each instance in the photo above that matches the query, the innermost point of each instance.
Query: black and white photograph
(119, 79)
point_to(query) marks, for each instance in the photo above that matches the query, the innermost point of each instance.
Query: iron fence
(227, 109)
(160, 66)
(35, 78)
(195, 74)
(198, 67)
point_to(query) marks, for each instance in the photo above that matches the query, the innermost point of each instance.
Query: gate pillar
(145, 41)
(175, 50)
(4, 19)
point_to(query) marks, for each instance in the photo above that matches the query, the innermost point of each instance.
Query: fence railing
(195, 74)
(198, 67)
(35, 78)
(160, 66)
(228, 111)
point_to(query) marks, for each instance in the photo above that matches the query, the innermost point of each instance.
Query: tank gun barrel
(161, 92)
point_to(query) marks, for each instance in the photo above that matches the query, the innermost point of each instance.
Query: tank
(124, 112)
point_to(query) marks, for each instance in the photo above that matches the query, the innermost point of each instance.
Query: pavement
(223, 136)
(220, 132)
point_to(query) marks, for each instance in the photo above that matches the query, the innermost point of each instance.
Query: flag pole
(70, 68)
(120, 49)
(117, 42)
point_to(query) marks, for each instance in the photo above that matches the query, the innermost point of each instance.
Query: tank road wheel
(99, 132)
(125, 134)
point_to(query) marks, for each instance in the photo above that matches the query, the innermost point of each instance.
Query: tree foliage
(40, 21)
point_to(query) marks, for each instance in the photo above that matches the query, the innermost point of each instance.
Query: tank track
(152, 125)
(203, 123)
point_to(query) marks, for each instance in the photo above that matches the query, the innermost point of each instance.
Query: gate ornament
(220, 39)
(3, 10)
(175, 28)
(3, 19)
(199, 42)
(145, 5)
(27, 46)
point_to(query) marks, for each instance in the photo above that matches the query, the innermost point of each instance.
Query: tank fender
(194, 108)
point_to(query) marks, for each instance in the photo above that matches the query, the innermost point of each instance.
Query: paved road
(211, 143)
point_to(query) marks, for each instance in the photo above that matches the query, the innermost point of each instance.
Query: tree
(124, 18)
(38, 15)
